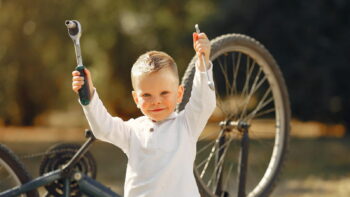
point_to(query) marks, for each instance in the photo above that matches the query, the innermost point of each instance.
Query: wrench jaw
(74, 30)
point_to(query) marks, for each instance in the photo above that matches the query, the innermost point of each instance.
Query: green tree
(37, 56)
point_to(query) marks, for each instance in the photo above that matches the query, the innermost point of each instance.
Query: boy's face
(157, 94)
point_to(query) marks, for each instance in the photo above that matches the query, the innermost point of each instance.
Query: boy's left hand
(201, 45)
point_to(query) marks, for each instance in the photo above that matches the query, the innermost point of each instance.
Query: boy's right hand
(78, 81)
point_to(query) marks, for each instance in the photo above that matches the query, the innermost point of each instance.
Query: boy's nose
(156, 100)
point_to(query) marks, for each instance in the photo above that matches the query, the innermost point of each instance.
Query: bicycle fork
(242, 127)
(243, 163)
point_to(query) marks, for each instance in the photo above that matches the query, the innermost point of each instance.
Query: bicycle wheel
(249, 129)
(57, 156)
(12, 172)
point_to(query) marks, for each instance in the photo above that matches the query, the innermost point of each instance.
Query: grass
(316, 167)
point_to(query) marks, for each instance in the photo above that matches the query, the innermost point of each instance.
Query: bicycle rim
(9, 178)
(12, 172)
(249, 89)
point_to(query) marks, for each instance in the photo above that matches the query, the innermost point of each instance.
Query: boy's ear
(180, 93)
(134, 95)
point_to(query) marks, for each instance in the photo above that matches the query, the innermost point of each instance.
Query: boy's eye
(164, 93)
(146, 95)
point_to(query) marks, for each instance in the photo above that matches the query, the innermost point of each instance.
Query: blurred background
(309, 39)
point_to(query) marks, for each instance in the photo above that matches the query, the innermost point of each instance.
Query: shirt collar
(170, 117)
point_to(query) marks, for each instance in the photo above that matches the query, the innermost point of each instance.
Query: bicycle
(252, 100)
(253, 113)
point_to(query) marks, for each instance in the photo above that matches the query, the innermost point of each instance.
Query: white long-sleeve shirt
(160, 154)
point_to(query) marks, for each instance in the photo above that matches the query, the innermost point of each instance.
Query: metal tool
(74, 31)
(210, 83)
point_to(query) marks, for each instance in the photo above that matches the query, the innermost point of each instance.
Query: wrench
(74, 31)
(210, 83)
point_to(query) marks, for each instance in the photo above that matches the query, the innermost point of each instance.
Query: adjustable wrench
(210, 83)
(74, 31)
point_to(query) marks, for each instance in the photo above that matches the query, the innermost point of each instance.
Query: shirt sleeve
(105, 127)
(201, 103)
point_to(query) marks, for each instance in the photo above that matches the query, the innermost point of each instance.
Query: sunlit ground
(316, 165)
(299, 129)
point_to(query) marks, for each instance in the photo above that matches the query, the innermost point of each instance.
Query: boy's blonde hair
(153, 61)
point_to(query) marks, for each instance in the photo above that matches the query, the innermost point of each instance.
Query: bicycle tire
(229, 83)
(12, 172)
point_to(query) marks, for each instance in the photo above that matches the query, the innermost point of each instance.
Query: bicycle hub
(230, 125)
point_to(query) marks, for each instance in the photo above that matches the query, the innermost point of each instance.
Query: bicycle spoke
(261, 104)
(254, 88)
(227, 180)
(233, 85)
(235, 73)
(220, 103)
(213, 152)
(234, 82)
(228, 85)
(224, 71)
(220, 162)
(205, 147)
(245, 90)
(260, 113)
(216, 151)
(210, 155)
(249, 71)
(260, 83)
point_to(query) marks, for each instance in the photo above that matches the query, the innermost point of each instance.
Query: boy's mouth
(157, 110)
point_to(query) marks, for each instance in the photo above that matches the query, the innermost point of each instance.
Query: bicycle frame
(86, 184)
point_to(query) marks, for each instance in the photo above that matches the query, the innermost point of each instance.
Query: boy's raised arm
(202, 101)
(105, 127)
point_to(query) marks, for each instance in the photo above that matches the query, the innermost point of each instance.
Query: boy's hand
(78, 81)
(201, 45)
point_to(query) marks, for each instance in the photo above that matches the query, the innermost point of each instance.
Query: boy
(161, 145)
